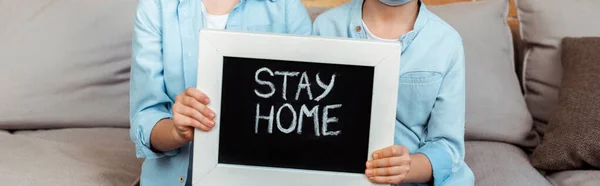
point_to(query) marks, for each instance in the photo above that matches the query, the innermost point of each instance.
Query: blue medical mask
(395, 2)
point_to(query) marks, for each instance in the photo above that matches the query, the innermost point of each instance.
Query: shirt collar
(356, 23)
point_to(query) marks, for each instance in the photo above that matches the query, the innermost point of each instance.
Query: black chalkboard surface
(286, 114)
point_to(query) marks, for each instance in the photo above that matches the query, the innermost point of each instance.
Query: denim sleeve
(444, 144)
(297, 20)
(148, 101)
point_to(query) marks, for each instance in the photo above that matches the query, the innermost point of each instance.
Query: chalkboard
(299, 115)
(339, 107)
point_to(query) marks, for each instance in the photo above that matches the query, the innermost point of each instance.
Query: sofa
(65, 89)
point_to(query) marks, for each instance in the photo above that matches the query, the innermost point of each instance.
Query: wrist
(164, 136)
(420, 170)
(175, 137)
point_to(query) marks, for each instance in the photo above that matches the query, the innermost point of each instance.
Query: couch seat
(576, 178)
(92, 156)
(501, 164)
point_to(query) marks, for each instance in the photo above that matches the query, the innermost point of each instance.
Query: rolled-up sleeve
(444, 144)
(148, 101)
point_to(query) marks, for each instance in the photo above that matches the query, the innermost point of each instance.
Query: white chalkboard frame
(213, 45)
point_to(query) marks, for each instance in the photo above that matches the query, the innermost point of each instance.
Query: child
(430, 116)
(165, 108)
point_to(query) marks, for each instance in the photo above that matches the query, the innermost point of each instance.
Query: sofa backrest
(544, 23)
(65, 63)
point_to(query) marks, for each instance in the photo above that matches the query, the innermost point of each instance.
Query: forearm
(163, 137)
(420, 169)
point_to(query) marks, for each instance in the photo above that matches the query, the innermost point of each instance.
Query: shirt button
(189, 54)
(181, 179)
(358, 28)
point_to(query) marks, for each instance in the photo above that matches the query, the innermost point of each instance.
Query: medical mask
(395, 2)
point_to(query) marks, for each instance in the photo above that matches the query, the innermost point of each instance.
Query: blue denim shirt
(164, 63)
(430, 117)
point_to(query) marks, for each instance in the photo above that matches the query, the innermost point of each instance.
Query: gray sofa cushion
(544, 23)
(99, 156)
(65, 63)
(575, 178)
(495, 109)
(313, 12)
(500, 164)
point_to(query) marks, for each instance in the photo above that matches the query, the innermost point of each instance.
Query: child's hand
(191, 111)
(389, 165)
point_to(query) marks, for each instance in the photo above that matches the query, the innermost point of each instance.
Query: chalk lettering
(314, 113)
(297, 120)
(327, 120)
(261, 82)
(292, 126)
(259, 117)
(304, 84)
(285, 75)
(326, 87)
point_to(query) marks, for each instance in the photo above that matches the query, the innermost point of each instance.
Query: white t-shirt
(372, 36)
(214, 21)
